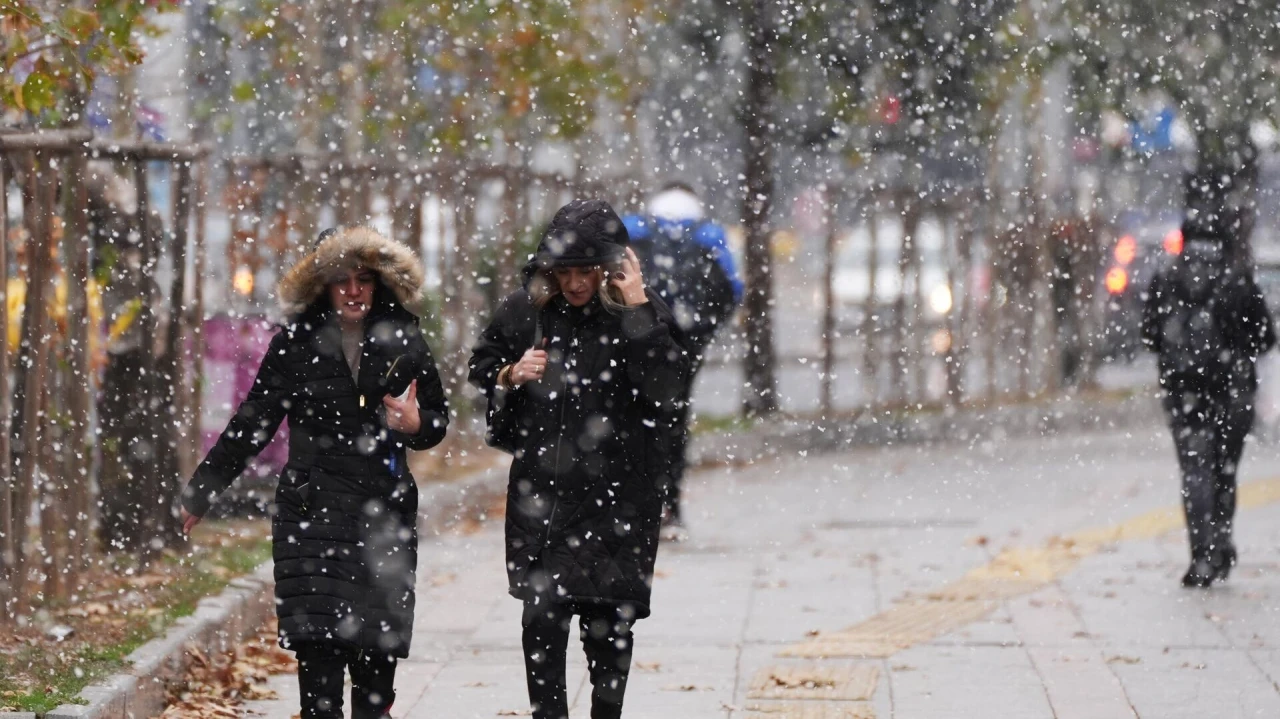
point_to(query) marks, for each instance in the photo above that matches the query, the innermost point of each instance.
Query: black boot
(1225, 560)
(1200, 574)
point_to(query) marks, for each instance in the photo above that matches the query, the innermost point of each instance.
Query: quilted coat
(583, 495)
(344, 524)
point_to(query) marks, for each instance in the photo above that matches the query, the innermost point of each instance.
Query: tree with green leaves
(816, 76)
(1216, 61)
(52, 52)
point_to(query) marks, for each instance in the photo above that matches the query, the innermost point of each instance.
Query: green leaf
(81, 24)
(243, 92)
(38, 91)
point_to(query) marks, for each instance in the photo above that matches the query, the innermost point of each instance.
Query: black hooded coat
(344, 525)
(584, 491)
(1208, 323)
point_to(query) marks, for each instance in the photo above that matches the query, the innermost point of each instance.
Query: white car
(1267, 420)
(851, 282)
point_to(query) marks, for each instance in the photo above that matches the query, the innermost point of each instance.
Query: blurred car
(1142, 245)
(1267, 422)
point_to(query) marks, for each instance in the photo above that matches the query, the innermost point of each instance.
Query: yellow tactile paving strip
(836, 682)
(1014, 572)
(811, 710)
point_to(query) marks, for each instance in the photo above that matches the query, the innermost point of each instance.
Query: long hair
(543, 287)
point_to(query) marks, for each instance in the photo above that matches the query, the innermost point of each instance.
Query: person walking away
(686, 261)
(357, 382)
(582, 367)
(1206, 319)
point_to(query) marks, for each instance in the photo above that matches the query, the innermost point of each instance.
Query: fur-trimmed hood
(397, 266)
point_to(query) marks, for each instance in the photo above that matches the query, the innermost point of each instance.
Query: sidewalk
(886, 584)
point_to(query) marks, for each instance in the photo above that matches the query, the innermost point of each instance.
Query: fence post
(173, 368)
(828, 309)
(196, 318)
(6, 403)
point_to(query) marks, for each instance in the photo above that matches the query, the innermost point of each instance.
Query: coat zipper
(564, 399)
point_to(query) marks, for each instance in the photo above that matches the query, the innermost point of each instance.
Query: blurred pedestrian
(686, 261)
(356, 380)
(582, 368)
(1206, 319)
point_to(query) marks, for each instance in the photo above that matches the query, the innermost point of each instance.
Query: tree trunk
(758, 123)
(79, 444)
(829, 335)
(871, 356)
(35, 346)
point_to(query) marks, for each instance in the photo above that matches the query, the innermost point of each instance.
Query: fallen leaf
(687, 688)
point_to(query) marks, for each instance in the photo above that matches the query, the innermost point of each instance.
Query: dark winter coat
(344, 524)
(690, 267)
(583, 499)
(1235, 327)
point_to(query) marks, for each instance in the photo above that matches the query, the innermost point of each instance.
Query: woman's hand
(530, 368)
(629, 281)
(402, 414)
(189, 520)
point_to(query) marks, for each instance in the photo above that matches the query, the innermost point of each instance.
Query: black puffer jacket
(344, 528)
(1201, 286)
(583, 501)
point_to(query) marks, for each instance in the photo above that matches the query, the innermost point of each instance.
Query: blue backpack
(688, 265)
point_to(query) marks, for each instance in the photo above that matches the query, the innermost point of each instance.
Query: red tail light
(1126, 250)
(1173, 242)
(1117, 280)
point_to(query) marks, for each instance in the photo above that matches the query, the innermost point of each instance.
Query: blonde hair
(543, 287)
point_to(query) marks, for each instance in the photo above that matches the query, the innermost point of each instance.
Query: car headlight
(940, 299)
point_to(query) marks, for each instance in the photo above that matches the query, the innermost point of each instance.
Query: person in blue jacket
(686, 260)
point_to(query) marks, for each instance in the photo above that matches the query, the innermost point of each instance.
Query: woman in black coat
(583, 369)
(358, 384)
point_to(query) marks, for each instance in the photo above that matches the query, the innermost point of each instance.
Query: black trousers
(1209, 433)
(606, 639)
(681, 439)
(321, 671)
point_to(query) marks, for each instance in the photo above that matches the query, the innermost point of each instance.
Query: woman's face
(578, 284)
(352, 293)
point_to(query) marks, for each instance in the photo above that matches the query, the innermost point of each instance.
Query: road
(1030, 579)
(720, 389)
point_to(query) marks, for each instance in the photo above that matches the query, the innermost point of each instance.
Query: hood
(1198, 269)
(676, 205)
(397, 266)
(583, 233)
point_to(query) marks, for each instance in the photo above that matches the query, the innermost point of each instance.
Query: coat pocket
(293, 493)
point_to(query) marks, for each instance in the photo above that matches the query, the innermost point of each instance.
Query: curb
(218, 624)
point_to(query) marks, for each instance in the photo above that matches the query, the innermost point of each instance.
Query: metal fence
(62, 427)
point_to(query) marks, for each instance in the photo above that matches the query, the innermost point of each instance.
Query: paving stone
(1080, 685)
(933, 682)
(1224, 684)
